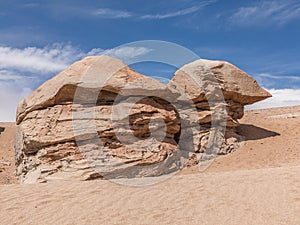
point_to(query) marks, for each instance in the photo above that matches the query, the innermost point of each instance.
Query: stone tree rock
(101, 119)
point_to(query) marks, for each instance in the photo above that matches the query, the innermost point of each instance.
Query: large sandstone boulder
(219, 91)
(58, 122)
(101, 119)
(236, 85)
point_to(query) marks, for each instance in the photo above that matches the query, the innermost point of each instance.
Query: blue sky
(40, 38)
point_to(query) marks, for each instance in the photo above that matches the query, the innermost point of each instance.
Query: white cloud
(267, 12)
(173, 14)
(122, 53)
(112, 14)
(281, 98)
(39, 60)
(127, 52)
(266, 75)
(181, 12)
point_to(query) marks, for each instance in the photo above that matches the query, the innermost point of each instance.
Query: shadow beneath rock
(2, 129)
(251, 132)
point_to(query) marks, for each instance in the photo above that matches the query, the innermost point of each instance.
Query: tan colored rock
(91, 72)
(99, 118)
(219, 91)
(236, 85)
(58, 122)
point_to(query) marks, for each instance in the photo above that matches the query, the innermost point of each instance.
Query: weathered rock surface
(219, 91)
(234, 83)
(58, 121)
(99, 118)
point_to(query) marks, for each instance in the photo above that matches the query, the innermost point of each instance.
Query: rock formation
(219, 91)
(52, 123)
(101, 119)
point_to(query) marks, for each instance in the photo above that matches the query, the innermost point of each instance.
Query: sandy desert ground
(257, 184)
(7, 155)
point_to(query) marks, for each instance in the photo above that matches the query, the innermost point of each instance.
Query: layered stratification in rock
(101, 119)
(219, 91)
(67, 129)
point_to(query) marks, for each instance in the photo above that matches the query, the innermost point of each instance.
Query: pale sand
(7, 154)
(258, 184)
(270, 141)
(264, 196)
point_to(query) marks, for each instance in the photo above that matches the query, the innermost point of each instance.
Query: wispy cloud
(23, 36)
(31, 5)
(107, 13)
(181, 12)
(275, 81)
(173, 14)
(6, 75)
(266, 75)
(266, 12)
(111, 13)
(127, 52)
